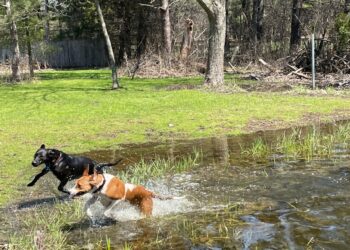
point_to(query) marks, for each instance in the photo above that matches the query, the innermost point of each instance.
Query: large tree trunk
(166, 31)
(216, 12)
(115, 83)
(16, 72)
(29, 50)
(187, 39)
(295, 34)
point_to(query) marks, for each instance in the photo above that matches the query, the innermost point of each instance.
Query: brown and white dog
(115, 190)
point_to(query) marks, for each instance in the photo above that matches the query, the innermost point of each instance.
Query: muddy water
(230, 202)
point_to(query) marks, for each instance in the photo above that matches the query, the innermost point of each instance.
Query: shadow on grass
(69, 74)
(41, 202)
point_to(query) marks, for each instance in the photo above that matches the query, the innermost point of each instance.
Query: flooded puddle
(230, 203)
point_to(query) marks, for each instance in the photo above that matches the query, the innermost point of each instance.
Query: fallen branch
(295, 71)
(232, 67)
(266, 65)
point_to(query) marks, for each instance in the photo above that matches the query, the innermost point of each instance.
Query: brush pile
(325, 62)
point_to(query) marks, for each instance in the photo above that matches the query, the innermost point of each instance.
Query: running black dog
(65, 167)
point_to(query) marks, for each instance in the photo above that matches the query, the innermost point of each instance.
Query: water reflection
(233, 203)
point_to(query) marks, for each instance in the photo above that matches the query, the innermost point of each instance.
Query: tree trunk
(115, 83)
(258, 15)
(29, 50)
(215, 10)
(47, 21)
(141, 33)
(166, 32)
(187, 39)
(347, 7)
(228, 28)
(295, 34)
(124, 37)
(246, 13)
(16, 72)
(46, 29)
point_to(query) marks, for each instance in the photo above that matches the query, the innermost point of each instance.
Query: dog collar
(58, 160)
(47, 167)
(100, 187)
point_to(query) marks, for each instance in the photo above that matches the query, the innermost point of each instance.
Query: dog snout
(35, 163)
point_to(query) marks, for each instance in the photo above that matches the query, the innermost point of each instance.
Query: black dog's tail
(109, 164)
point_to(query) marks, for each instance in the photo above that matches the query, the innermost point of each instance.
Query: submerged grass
(298, 144)
(143, 171)
(198, 229)
(258, 149)
(43, 229)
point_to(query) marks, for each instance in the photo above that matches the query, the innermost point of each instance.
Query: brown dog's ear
(86, 171)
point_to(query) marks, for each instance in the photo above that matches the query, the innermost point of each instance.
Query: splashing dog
(116, 191)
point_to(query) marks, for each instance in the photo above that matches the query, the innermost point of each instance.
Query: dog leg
(61, 186)
(38, 176)
(146, 206)
(87, 205)
(110, 207)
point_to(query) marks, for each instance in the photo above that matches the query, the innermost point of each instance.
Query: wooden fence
(65, 54)
(75, 54)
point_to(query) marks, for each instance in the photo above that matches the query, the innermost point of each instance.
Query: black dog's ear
(51, 153)
(42, 146)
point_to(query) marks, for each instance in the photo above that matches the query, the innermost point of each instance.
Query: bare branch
(148, 5)
(206, 5)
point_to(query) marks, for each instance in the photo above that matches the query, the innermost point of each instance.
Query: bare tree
(258, 14)
(125, 34)
(166, 31)
(295, 33)
(216, 12)
(187, 39)
(347, 6)
(47, 20)
(16, 73)
(29, 48)
(115, 83)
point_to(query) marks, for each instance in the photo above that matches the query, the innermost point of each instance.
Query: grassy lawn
(75, 111)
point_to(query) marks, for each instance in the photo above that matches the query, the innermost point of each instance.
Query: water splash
(124, 211)
(256, 231)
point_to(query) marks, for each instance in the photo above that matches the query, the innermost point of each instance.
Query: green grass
(76, 111)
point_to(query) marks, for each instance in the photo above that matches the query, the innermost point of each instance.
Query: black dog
(65, 167)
